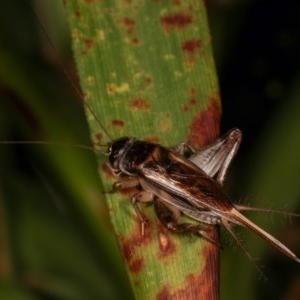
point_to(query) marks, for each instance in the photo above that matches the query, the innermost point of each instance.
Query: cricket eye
(115, 151)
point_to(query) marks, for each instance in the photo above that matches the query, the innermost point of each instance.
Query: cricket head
(117, 150)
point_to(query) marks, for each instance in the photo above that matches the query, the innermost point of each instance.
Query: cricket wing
(195, 213)
(183, 179)
(166, 197)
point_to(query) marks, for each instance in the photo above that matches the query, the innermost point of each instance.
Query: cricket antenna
(84, 147)
(69, 78)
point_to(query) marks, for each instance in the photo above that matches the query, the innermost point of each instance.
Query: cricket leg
(141, 196)
(169, 217)
(125, 183)
(144, 197)
(215, 159)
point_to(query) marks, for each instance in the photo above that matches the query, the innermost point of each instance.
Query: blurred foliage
(50, 245)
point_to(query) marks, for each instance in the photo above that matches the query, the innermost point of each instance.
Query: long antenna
(71, 81)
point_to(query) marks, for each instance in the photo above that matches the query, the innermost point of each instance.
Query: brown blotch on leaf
(139, 104)
(111, 89)
(201, 286)
(118, 123)
(152, 139)
(135, 40)
(136, 265)
(89, 43)
(177, 2)
(191, 45)
(179, 21)
(99, 136)
(193, 91)
(192, 102)
(184, 108)
(205, 126)
(129, 246)
(164, 294)
(129, 23)
(148, 81)
(187, 106)
(90, 1)
(78, 14)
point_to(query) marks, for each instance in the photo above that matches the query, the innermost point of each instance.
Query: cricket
(192, 186)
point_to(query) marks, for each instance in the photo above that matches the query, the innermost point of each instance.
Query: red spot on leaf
(178, 20)
(148, 81)
(127, 250)
(191, 6)
(89, 43)
(90, 1)
(111, 89)
(139, 104)
(205, 126)
(192, 102)
(99, 136)
(116, 122)
(177, 2)
(136, 265)
(152, 139)
(129, 23)
(193, 91)
(191, 45)
(78, 14)
(135, 40)
(187, 106)
(164, 294)
(184, 108)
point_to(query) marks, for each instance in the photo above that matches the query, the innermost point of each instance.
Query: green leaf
(146, 70)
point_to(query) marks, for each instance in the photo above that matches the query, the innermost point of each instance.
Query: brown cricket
(190, 186)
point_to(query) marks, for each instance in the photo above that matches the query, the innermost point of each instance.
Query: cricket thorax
(126, 155)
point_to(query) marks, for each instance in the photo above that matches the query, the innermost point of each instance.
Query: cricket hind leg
(216, 158)
(169, 217)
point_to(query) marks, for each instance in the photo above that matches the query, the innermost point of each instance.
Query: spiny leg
(216, 158)
(144, 197)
